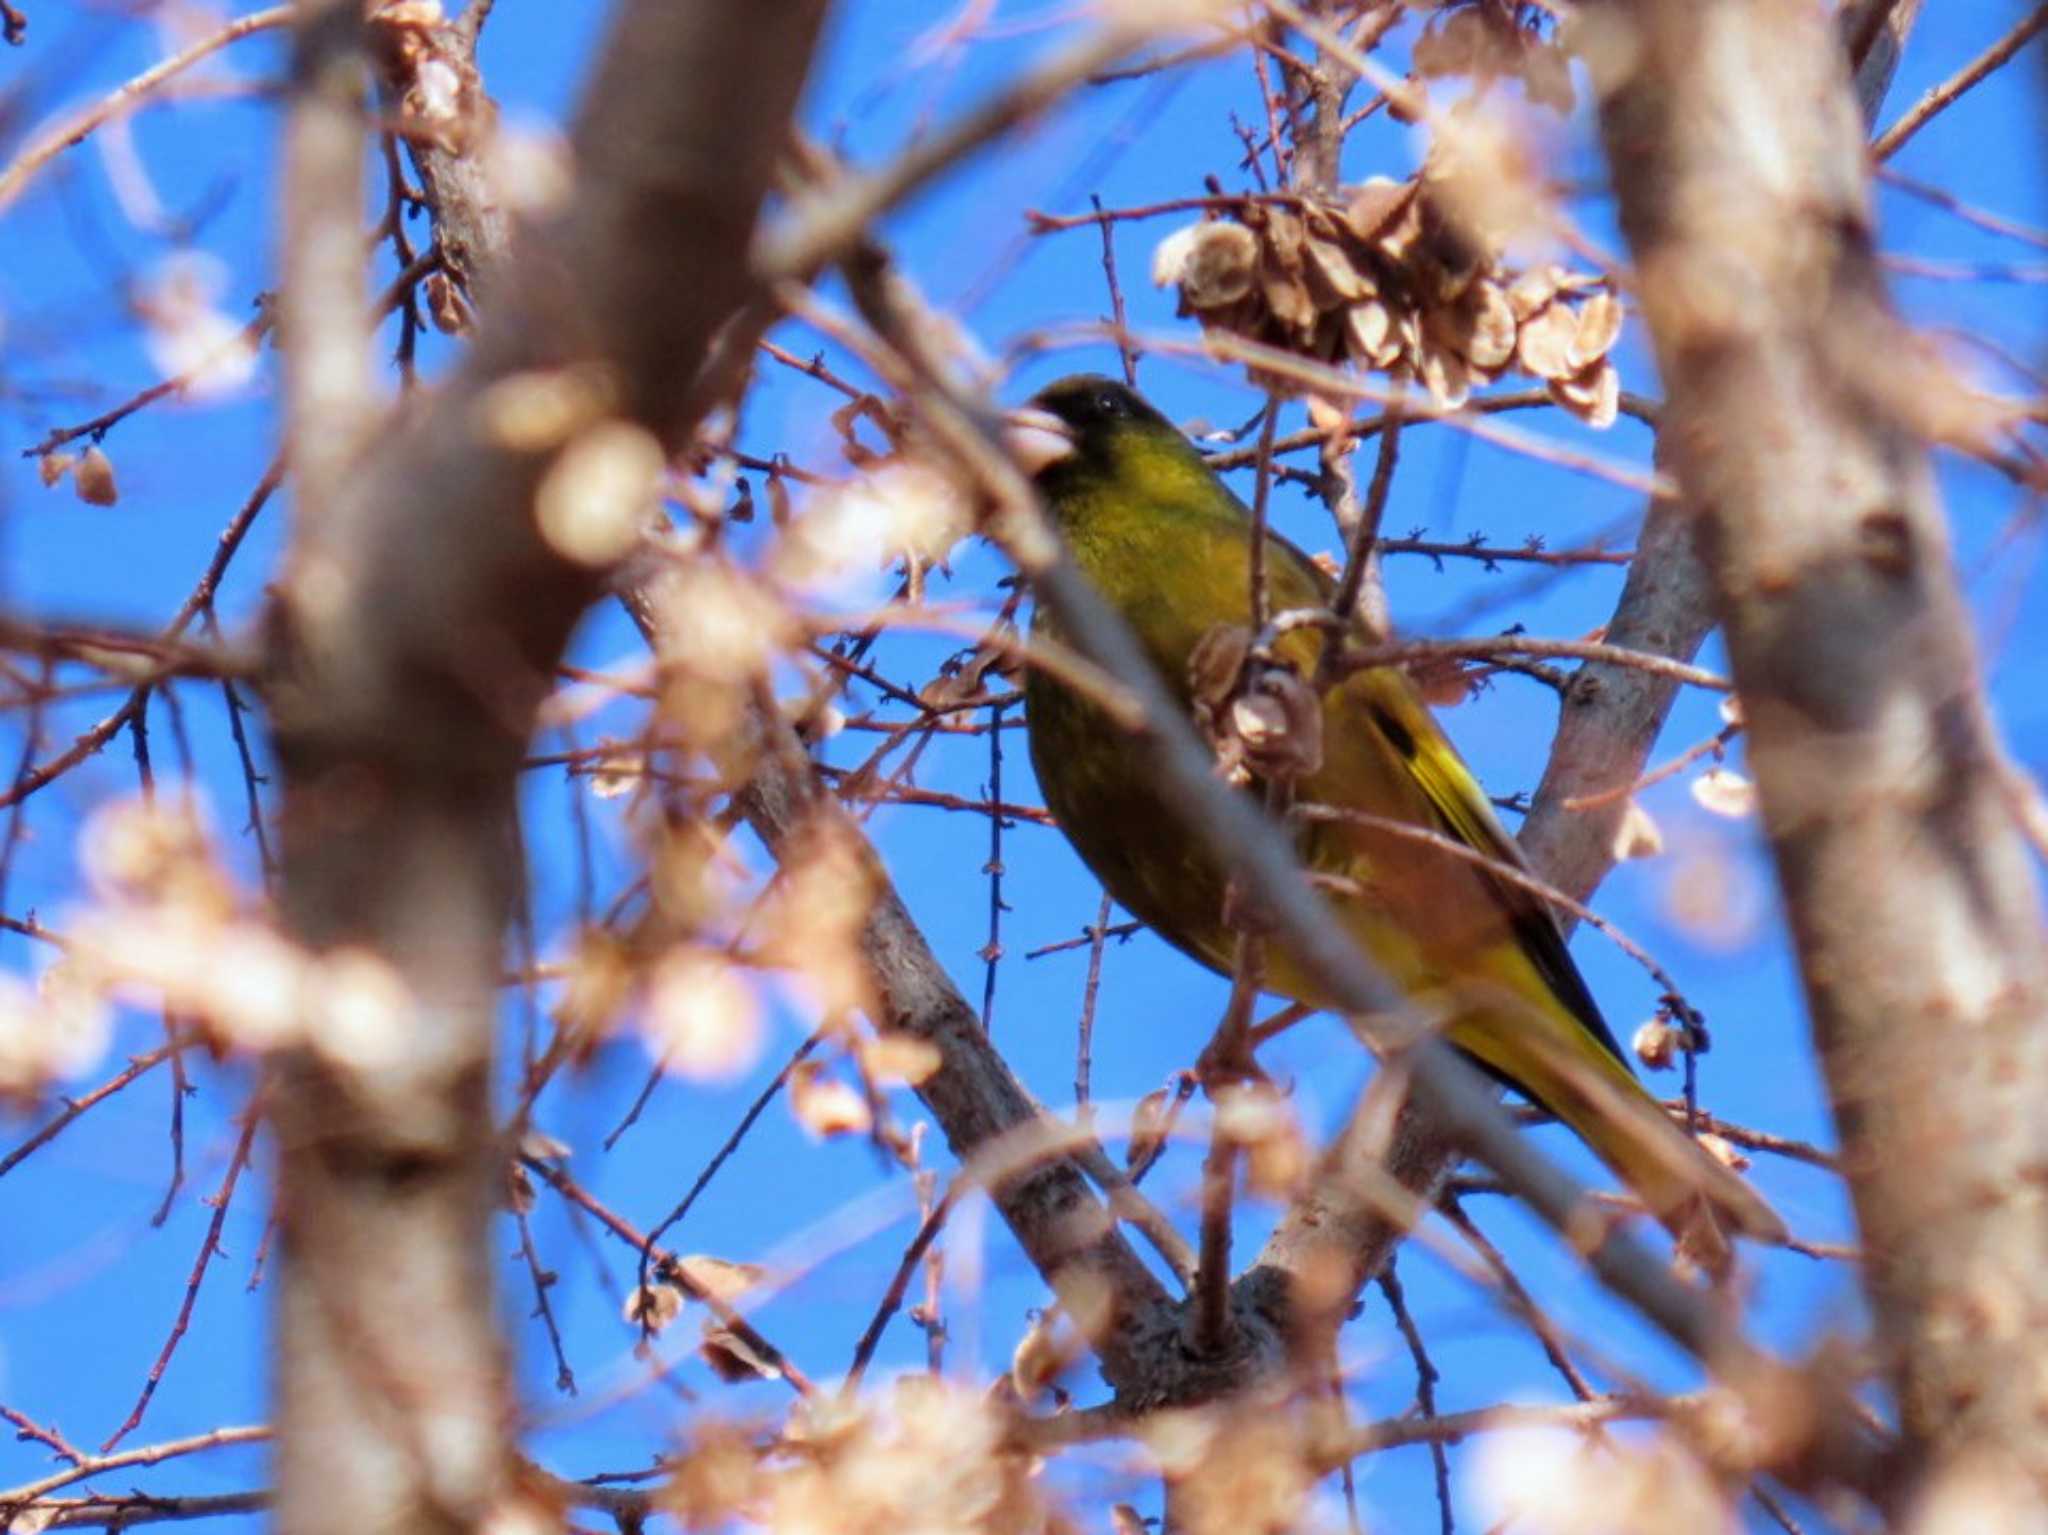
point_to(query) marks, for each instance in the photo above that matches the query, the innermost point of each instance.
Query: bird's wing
(1463, 812)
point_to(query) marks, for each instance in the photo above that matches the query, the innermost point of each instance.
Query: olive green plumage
(1169, 546)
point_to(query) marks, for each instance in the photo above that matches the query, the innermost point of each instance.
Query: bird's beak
(1037, 438)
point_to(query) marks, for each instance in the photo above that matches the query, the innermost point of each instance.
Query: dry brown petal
(446, 305)
(1725, 792)
(1530, 291)
(1332, 276)
(1277, 1157)
(720, 1278)
(407, 13)
(1045, 1350)
(695, 874)
(92, 478)
(826, 1106)
(732, 1358)
(1544, 346)
(534, 411)
(1400, 236)
(543, 1147)
(652, 1307)
(1599, 328)
(1656, 1044)
(1150, 1121)
(1456, 47)
(1446, 377)
(889, 1059)
(1489, 326)
(52, 467)
(1287, 298)
(720, 623)
(1637, 836)
(1211, 262)
(1593, 396)
(1443, 681)
(1216, 663)
(1259, 1482)
(1369, 333)
(1284, 237)
(1376, 205)
(1280, 722)
(1408, 333)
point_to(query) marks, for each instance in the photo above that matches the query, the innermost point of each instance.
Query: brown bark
(421, 620)
(1739, 162)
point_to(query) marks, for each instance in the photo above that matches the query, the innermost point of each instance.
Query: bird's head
(1088, 426)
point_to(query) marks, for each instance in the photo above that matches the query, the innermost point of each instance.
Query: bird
(1168, 545)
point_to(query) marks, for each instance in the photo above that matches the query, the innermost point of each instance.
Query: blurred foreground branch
(1739, 162)
(423, 614)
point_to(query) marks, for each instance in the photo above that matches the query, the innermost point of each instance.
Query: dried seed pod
(1213, 263)
(1656, 1044)
(1545, 344)
(1399, 236)
(1287, 298)
(1481, 328)
(1333, 278)
(1369, 334)
(1599, 328)
(1445, 376)
(1594, 396)
(1375, 206)
(1529, 292)
(1285, 236)
(92, 478)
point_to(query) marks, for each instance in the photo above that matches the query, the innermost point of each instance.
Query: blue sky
(89, 1288)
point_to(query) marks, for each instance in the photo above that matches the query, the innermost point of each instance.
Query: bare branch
(424, 617)
(1907, 880)
(1940, 98)
(74, 131)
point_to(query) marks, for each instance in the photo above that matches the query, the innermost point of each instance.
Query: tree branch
(1741, 174)
(422, 619)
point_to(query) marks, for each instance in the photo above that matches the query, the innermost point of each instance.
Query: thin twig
(207, 1249)
(1940, 97)
(74, 130)
(1426, 1378)
(899, 1285)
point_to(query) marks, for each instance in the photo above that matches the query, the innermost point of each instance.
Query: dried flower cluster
(169, 928)
(1395, 282)
(1257, 714)
(922, 1457)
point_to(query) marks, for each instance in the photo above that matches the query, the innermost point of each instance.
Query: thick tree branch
(1740, 167)
(422, 618)
(1612, 714)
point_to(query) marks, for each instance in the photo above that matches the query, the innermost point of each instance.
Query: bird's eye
(1110, 403)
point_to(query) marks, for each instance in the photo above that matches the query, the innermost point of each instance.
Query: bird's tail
(1551, 1057)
